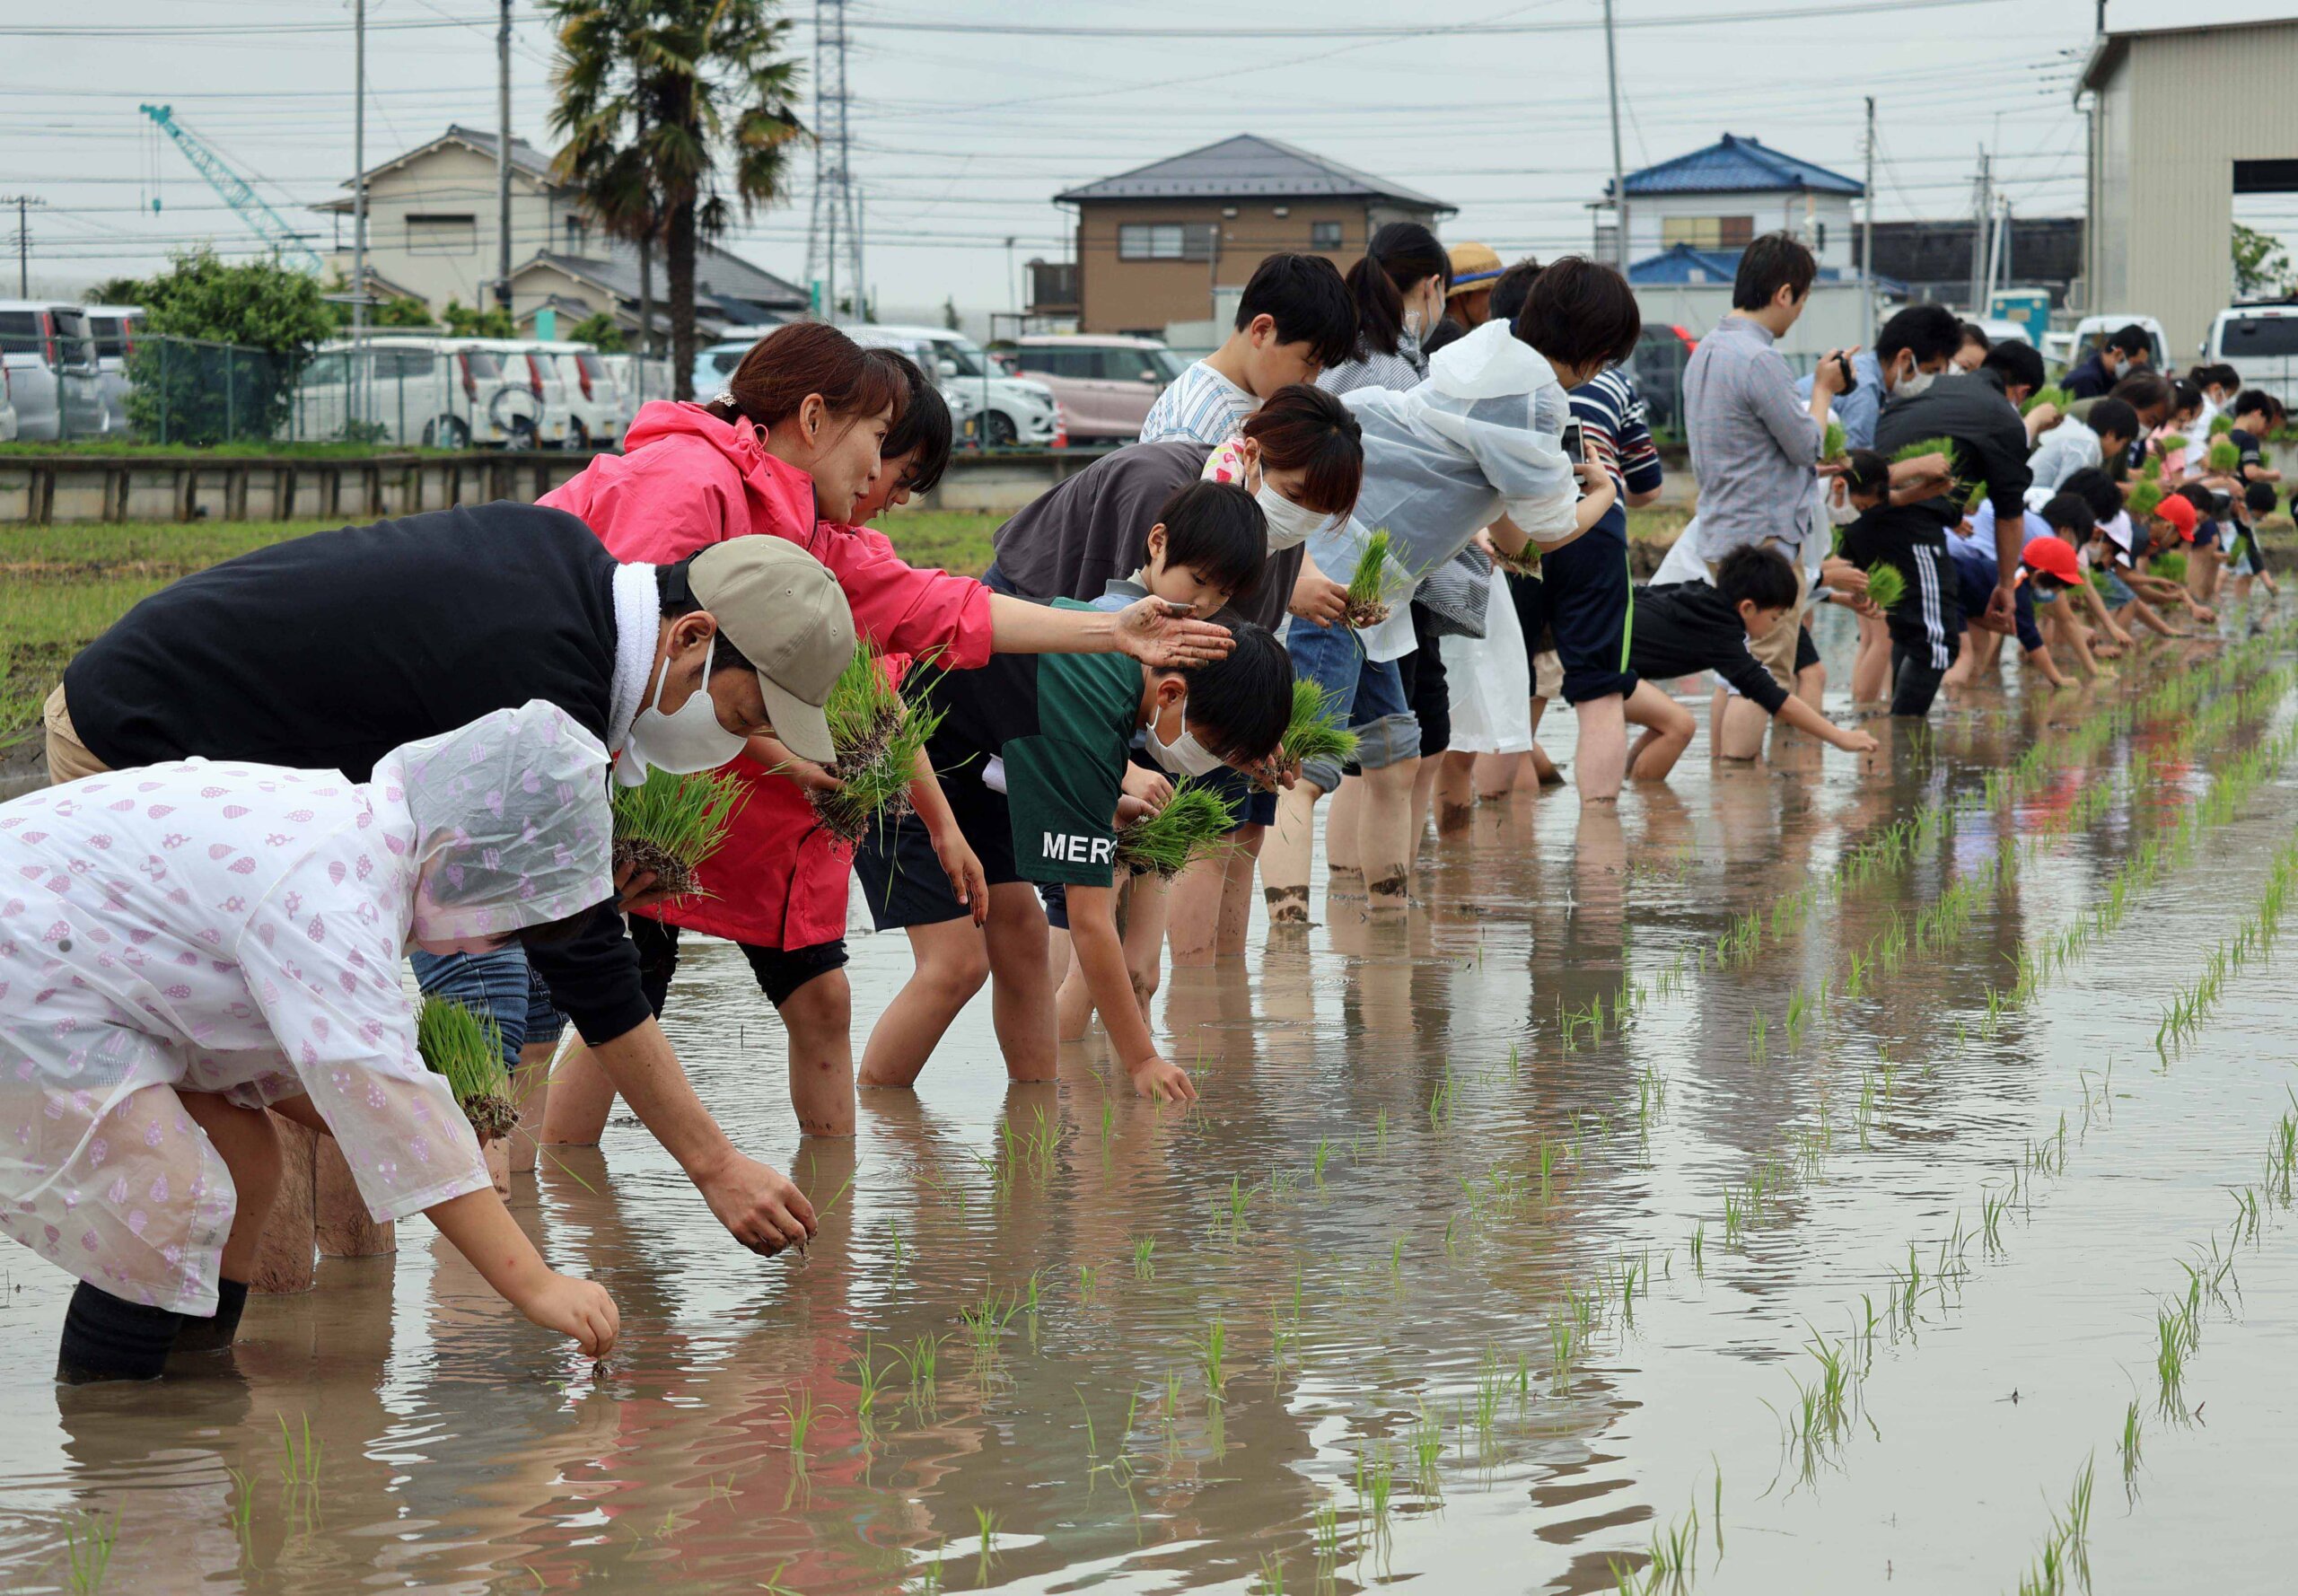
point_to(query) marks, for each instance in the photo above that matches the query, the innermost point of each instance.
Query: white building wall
(1831, 320)
(1823, 221)
(441, 264)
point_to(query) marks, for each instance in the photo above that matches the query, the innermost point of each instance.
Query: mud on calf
(1390, 886)
(1287, 904)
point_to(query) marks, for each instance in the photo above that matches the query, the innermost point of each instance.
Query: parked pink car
(1105, 383)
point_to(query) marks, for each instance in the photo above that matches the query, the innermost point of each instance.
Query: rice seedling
(1087, 1281)
(1189, 825)
(2171, 566)
(878, 735)
(243, 1518)
(2052, 395)
(986, 1523)
(1317, 728)
(1368, 583)
(2144, 497)
(921, 1360)
(1212, 1356)
(299, 1461)
(1427, 1439)
(1834, 443)
(1375, 1485)
(467, 1049)
(1270, 1581)
(1699, 1248)
(89, 1538)
(2128, 1446)
(668, 825)
(986, 1322)
(1145, 1264)
(869, 1380)
(1318, 1157)
(800, 1416)
(1326, 1528)
(2221, 457)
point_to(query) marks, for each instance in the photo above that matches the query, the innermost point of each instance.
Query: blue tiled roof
(1681, 264)
(1737, 165)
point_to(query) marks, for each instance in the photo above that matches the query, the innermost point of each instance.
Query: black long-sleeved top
(1685, 628)
(2090, 379)
(325, 652)
(1991, 442)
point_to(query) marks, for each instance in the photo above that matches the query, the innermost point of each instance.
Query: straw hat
(1474, 267)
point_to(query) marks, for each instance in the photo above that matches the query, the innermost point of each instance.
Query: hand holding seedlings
(468, 1050)
(666, 827)
(1189, 823)
(879, 736)
(1367, 607)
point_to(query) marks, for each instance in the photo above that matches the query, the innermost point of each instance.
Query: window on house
(1818, 238)
(1324, 235)
(1708, 232)
(433, 234)
(1164, 241)
(578, 235)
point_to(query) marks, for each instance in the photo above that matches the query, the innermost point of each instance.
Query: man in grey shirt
(1753, 442)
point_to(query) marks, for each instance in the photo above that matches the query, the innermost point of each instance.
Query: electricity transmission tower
(834, 230)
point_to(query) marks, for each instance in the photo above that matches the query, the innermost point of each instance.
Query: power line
(1238, 28)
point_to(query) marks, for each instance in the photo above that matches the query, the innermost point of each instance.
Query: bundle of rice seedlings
(467, 1049)
(1942, 445)
(2053, 395)
(2146, 496)
(1835, 444)
(878, 735)
(2173, 442)
(669, 824)
(1189, 825)
(1366, 607)
(1318, 729)
(2173, 567)
(2220, 425)
(2222, 459)
(2153, 469)
(1886, 585)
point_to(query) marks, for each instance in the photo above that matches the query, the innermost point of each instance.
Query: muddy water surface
(1667, 1182)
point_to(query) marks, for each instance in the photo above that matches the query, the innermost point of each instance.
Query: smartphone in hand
(1575, 446)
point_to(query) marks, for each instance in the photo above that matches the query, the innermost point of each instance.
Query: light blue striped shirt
(1199, 406)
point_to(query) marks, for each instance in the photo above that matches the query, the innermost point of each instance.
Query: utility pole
(22, 202)
(1867, 239)
(503, 159)
(1619, 178)
(1982, 202)
(359, 203)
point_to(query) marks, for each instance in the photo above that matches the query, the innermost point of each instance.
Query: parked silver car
(52, 378)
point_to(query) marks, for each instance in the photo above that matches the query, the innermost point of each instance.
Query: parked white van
(2260, 342)
(442, 393)
(2092, 331)
(52, 376)
(114, 328)
(545, 422)
(597, 413)
(988, 406)
(7, 407)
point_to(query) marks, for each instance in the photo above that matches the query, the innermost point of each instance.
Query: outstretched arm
(1153, 631)
(1801, 716)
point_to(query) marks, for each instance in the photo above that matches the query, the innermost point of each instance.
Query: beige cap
(1474, 267)
(784, 609)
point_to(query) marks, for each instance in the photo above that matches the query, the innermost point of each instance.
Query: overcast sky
(967, 117)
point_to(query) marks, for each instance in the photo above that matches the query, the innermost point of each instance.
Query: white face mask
(688, 739)
(1840, 511)
(1288, 523)
(1184, 755)
(1914, 383)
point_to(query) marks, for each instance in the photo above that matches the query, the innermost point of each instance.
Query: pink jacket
(689, 481)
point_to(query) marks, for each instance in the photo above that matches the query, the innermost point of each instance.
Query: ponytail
(1399, 254)
(810, 357)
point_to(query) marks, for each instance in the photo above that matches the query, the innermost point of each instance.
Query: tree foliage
(601, 331)
(464, 322)
(2262, 267)
(223, 344)
(676, 114)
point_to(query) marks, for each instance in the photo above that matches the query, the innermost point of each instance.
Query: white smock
(1481, 438)
(238, 929)
(1489, 680)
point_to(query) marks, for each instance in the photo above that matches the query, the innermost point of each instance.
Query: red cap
(2052, 557)
(2178, 511)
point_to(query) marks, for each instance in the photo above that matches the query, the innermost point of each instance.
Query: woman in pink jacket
(797, 449)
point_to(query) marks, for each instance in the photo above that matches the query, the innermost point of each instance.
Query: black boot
(216, 1333)
(107, 1338)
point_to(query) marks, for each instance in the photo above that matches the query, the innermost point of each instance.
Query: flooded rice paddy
(1806, 1180)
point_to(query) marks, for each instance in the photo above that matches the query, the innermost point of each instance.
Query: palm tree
(674, 111)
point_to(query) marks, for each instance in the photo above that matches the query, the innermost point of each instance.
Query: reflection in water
(1414, 1290)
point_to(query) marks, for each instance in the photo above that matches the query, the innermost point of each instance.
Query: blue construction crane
(233, 189)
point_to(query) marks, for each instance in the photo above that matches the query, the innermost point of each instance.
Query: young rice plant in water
(668, 825)
(878, 736)
(1191, 822)
(468, 1050)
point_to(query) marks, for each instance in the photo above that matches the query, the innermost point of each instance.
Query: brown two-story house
(1162, 243)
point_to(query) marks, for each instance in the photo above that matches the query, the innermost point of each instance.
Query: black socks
(106, 1338)
(215, 1334)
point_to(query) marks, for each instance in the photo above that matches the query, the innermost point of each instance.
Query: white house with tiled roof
(1717, 199)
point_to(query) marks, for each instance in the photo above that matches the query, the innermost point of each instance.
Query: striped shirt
(1199, 406)
(1372, 368)
(1610, 413)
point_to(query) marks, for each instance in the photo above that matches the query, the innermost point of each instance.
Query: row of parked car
(64, 369)
(456, 393)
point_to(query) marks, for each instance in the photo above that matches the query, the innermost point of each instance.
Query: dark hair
(1971, 332)
(1216, 530)
(1776, 260)
(924, 428)
(2257, 498)
(1511, 289)
(1239, 705)
(1752, 572)
(2142, 393)
(2131, 339)
(1447, 331)
(672, 579)
(1401, 253)
(1931, 332)
(2114, 416)
(1303, 428)
(2071, 513)
(809, 358)
(2020, 364)
(2221, 375)
(1580, 313)
(1304, 295)
(2184, 395)
(2253, 399)
(2096, 489)
(2200, 497)
(1866, 471)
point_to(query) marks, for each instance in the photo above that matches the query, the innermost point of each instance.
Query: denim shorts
(499, 985)
(1371, 692)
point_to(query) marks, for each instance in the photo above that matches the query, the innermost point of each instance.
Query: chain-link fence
(195, 391)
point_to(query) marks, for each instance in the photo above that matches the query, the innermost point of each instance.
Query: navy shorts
(902, 874)
(1587, 600)
(500, 987)
(1807, 652)
(780, 971)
